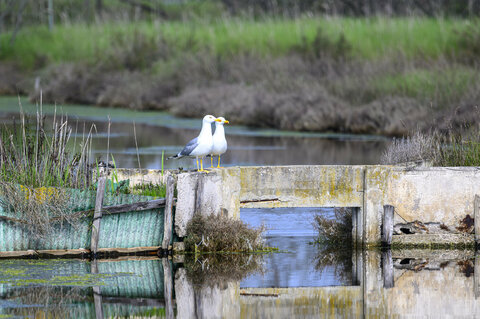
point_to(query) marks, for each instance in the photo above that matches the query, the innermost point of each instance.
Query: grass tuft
(337, 231)
(222, 234)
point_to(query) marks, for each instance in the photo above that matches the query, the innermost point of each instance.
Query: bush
(337, 231)
(222, 234)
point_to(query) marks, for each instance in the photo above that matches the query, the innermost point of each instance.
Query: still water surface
(160, 131)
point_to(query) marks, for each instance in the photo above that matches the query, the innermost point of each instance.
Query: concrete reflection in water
(400, 284)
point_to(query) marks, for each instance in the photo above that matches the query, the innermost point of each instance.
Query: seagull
(219, 141)
(201, 145)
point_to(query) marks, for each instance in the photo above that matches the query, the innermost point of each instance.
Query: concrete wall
(432, 194)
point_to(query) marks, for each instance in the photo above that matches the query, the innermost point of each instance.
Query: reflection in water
(300, 262)
(426, 284)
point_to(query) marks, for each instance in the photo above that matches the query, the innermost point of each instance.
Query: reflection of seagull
(201, 145)
(219, 141)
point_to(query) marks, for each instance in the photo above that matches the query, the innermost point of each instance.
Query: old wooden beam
(476, 218)
(387, 225)
(168, 212)
(168, 288)
(150, 302)
(76, 252)
(97, 216)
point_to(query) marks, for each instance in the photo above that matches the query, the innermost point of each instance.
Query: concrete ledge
(433, 240)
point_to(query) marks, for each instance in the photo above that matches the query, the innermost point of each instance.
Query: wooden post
(168, 288)
(97, 297)
(97, 216)
(168, 212)
(476, 218)
(354, 227)
(387, 225)
(387, 266)
(476, 276)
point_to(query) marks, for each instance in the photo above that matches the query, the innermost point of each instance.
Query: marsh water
(159, 131)
(440, 284)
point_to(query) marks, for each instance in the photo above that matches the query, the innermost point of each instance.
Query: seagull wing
(188, 149)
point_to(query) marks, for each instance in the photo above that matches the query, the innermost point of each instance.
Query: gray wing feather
(189, 147)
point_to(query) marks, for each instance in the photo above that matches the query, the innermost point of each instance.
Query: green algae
(25, 273)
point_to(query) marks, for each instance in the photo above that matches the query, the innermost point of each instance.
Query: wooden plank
(134, 301)
(168, 288)
(168, 212)
(476, 218)
(76, 252)
(59, 252)
(129, 250)
(135, 207)
(387, 267)
(97, 216)
(108, 210)
(387, 225)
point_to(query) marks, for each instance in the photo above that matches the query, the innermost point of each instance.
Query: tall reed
(36, 155)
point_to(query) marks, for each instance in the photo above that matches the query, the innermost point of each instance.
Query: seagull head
(209, 119)
(221, 120)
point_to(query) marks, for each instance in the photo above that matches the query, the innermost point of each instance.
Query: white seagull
(201, 145)
(219, 141)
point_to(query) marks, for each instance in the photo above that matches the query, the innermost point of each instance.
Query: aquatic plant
(218, 269)
(214, 233)
(335, 231)
(33, 155)
(37, 164)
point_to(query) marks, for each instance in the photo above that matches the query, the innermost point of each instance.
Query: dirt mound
(311, 109)
(389, 116)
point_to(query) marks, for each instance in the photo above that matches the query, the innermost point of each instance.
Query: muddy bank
(290, 93)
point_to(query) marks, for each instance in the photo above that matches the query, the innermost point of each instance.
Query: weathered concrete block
(302, 186)
(214, 193)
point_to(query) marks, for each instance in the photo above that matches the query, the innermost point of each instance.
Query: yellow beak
(227, 121)
(218, 120)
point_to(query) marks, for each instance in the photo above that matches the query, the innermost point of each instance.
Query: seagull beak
(227, 122)
(218, 120)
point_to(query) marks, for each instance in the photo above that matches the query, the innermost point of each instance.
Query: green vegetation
(369, 38)
(33, 155)
(436, 149)
(365, 75)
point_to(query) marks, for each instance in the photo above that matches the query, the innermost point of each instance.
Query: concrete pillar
(217, 192)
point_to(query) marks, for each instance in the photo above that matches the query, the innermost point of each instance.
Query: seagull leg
(201, 166)
(211, 161)
(197, 163)
(218, 165)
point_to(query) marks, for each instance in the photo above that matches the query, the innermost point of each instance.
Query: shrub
(337, 231)
(222, 234)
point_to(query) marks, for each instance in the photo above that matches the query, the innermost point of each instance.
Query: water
(427, 284)
(157, 131)
(298, 264)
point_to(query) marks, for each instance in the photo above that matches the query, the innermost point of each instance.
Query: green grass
(444, 86)
(369, 38)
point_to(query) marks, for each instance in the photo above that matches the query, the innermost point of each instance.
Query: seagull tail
(174, 157)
